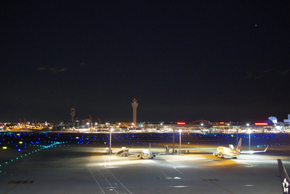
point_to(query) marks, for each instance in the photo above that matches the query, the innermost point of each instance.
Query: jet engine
(139, 156)
(215, 154)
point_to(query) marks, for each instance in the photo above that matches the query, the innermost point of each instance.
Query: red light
(72, 108)
(181, 123)
(222, 123)
(261, 124)
(134, 98)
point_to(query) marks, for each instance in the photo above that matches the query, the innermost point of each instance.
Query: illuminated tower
(73, 114)
(134, 105)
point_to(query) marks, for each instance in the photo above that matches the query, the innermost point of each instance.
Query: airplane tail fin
(239, 145)
(231, 146)
(284, 177)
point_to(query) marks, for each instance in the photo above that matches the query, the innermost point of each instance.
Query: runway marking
(177, 170)
(94, 176)
(208, 179)
(119, 181)
(12, 188)
(105, 165)
(221, 187)
(164, 174)
(18, 182)
(96, 180)
(107, 181)
(170, 178)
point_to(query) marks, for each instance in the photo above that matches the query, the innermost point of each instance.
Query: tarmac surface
(74, 168)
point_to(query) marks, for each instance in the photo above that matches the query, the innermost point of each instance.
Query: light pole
(173, 141)
(249, 131)
(179, 141)
(112, 129)
(249, 139)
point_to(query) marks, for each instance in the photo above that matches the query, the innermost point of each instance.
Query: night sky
(182, 60)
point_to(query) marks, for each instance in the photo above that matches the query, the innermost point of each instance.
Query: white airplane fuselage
(227, 151)
(145, 154)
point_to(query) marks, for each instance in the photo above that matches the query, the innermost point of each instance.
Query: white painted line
(120, 182)
(96, 180)
(108, 181)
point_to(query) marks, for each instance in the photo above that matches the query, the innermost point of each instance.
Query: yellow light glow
(4, 147)
(20, 142)
(108, 163)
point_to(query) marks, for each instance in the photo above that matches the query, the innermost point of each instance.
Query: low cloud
(60, 70)
(52, 69)
(284, 72)
(266, 74)
(249, 75)
(259, 77)
(40, 68)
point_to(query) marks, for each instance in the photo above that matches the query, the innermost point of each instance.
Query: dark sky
(182, 60)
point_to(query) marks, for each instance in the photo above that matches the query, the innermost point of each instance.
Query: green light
(11, 160)
(16, 158)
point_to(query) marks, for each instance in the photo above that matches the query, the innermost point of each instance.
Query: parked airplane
(285, 182)
(231, 151)
(144, 154)
(221, 151)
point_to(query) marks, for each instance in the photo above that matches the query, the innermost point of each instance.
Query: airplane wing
(253, 152)
(284, 177)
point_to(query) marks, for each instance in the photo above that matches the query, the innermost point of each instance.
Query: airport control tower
(134, 105)
(73, 114)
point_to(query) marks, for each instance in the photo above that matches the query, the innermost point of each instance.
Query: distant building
(287, 121)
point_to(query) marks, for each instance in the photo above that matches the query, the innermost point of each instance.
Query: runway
(83, 169)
